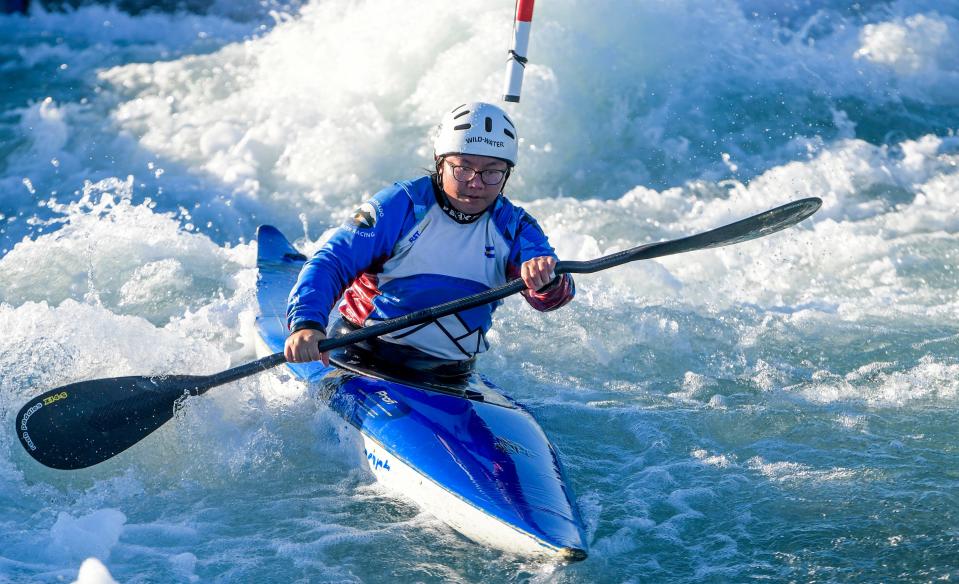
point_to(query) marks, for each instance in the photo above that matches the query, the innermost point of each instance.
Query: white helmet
(477, 128)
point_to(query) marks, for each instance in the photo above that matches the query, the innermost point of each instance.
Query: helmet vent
(461, 114)
(489, 124)
(509, 121)
(508, 133)
(463, 127)
(458, 107)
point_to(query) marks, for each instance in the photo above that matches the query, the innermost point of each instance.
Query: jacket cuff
(555, 295)
(307, 324)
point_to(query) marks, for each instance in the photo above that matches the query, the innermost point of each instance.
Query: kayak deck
(471, 456)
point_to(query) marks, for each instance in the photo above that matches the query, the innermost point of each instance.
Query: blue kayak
(466, 453)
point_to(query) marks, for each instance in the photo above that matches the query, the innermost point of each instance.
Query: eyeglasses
(489, 177)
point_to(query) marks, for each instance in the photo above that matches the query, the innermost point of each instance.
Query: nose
(476, 182)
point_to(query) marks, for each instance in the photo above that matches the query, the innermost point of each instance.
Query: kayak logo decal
(377, 399)
(29, 441)
(386, 397)
(23, 424)
(377, 463)
(56, 397)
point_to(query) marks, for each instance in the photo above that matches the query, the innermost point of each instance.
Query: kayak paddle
(84, 423)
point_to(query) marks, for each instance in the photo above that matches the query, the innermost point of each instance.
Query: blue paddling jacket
(404, 250)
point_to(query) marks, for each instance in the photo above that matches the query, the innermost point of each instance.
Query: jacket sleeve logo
(365, 216)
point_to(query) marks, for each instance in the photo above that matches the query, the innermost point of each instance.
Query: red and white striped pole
(516, 63)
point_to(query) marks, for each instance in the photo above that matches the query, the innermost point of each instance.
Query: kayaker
(426, 241)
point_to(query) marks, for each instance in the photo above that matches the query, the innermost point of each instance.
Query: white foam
(275, 113)
(716, 460)
(98, 23)
(49, 346)
(842, 259)
(94, 534)
(794, 472)
(921, 43)
(929, 379)
(281, 109)
(119, 254)
(44, 123)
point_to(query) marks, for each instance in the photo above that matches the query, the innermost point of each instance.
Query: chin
(472, 207)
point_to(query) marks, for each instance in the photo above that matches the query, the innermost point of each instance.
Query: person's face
(470, 194)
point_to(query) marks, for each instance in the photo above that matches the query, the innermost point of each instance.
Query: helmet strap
(509, 169)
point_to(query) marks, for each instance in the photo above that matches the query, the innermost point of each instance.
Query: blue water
(784, 409)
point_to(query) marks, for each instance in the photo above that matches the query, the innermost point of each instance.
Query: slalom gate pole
(516, 63)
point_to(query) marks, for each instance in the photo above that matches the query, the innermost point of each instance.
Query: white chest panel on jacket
(439, 245)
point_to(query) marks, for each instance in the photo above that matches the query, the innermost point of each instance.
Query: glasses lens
(492, 177)
(466, 174)
(463, 173)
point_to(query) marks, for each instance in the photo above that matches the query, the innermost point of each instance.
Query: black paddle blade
(747, 229)
(756, 226)
(82, 424)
